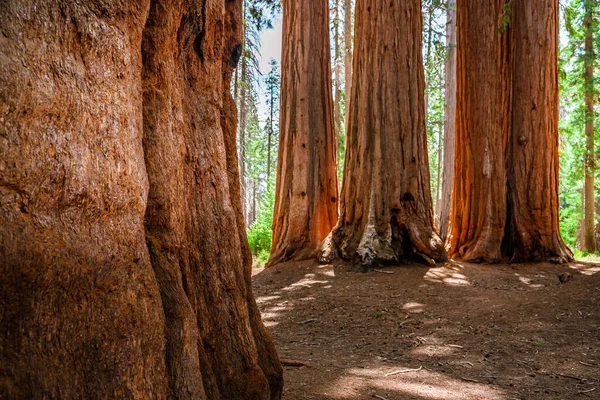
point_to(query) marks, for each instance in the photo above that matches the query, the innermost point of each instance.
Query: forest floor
(456, 331)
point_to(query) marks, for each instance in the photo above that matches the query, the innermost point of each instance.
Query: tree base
(396, 244)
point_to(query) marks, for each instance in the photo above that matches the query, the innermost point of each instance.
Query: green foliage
(259, 233)
(434, 57)
(504, 18)
(585, 256)
(572, 85)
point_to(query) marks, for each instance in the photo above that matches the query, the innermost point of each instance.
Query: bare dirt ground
(456, 331)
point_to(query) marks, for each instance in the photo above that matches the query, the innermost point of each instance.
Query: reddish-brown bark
(532, 165)
(385, 206)
(306, 194)
(81, 310)
(505, 200)
(125, 266)
(482, 124)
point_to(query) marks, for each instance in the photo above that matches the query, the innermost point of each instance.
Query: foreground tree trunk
(385, 206)
(306, 194)
(505, 201)
(449, 120)
(134, 123)
(589, 243)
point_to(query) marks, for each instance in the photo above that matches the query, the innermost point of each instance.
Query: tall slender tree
(449, 118)
(337, 64)
(348, 46)
(505, 202)
(306, 195)
(272, 81)
(385, 206)
(590, 6)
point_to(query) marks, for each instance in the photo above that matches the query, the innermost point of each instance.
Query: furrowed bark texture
(134, 121)
(385, 206)
(482, 124)
(306, 194)
(505, 200)
(449, 120)
(81, 310)
(194, 213)
(533, 232)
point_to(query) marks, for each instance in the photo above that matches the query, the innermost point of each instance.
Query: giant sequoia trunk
(385, 206)
(306, 194)
(129, 119)
(505, 201)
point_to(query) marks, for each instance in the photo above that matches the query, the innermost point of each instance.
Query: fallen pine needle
(586, 391)
(469, 380)
(379, 397)
(384, 272)
(403, 371)
(455, 345)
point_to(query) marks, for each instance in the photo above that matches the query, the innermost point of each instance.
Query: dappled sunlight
(326, 270)
(266, 299)
(413, 307)
(434, 347)
(449, 274)
(585, 269)
(308, 281)
(412, 335)
(529, 282)
(391, 382)
(274, 308)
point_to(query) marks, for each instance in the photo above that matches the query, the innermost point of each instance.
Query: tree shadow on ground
(455, 331)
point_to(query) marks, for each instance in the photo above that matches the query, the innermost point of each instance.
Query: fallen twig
(292, 363)
(403, 371)
(586, 364)
(307, 321)
(572, 377)
(586, 391)
(455, 345)
(469, 380)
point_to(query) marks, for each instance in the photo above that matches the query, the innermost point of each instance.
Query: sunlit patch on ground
(448, 274)
(398, 381)
(529, 282)
(413, 307)
(585, 269)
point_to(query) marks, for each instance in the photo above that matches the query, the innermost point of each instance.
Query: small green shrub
(259, 233)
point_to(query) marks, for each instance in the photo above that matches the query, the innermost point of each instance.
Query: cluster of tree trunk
(505, 198)
(501, 136)
(306, 191)
(125, 270)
